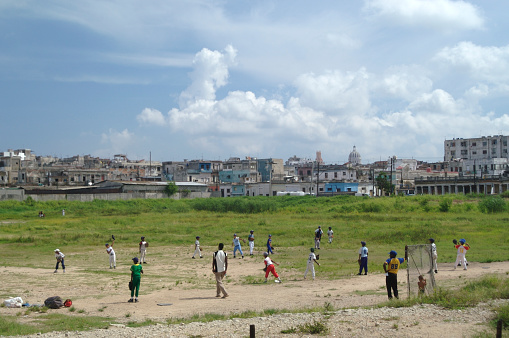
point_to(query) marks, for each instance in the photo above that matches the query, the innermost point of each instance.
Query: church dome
(354, 157)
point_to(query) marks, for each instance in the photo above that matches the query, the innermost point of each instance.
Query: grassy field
(384, 223)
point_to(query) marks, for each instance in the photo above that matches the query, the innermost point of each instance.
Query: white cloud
(444, 15)
(482, 63)
(151, 116)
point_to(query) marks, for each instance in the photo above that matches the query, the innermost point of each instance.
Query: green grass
(9, 325)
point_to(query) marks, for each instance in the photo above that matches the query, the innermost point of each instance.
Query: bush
(445, 205)
(491, 205)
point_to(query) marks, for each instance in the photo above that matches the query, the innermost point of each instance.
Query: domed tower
(354, 157)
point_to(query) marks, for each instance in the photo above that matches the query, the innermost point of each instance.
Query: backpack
(54, 302)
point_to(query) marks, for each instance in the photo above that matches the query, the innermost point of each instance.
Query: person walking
(363, 259)
(330, 234)
(219, 268)
(433, 255)
(60, 259)
(136, 271)
(391, 267)
(311, 264)
(269, 245)
(197, 249)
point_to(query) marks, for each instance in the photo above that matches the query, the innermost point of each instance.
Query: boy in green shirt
(136, 271)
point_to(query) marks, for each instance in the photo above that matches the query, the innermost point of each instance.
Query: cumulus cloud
(440, 14)
(326, 110)
(482, 63)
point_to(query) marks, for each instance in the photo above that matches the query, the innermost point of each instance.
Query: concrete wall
(12, 194)
(18, 195)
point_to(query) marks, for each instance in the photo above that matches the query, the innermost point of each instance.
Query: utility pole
(317, 177)
(391, 173)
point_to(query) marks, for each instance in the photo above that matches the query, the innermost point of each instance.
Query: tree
(171, 189)
(383, 182)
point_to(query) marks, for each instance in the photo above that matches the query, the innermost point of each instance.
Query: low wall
(12, 194)
(112, 196)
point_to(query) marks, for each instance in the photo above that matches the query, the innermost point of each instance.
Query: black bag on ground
(54, 302)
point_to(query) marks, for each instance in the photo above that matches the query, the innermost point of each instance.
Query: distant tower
(354, 157)
(319, 157)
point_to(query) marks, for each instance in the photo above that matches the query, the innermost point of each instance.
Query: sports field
(172, 277)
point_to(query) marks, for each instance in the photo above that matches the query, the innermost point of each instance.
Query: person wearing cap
(250, 239)
(59, 256)
(236, 245)
(363, 259)
(111, 253)
(318, 237)
(462, 248)
(136, 271)
(330, 234)
(391, 267)
(269, 267)
(197, 247)
(433, 255)
(311, 263)
(269, 245)
(143, 250)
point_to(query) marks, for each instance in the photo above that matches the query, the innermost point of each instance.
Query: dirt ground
(187, 287)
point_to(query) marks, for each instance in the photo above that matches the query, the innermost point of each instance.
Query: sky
(208, 79)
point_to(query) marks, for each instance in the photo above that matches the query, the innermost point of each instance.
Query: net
(420, 263)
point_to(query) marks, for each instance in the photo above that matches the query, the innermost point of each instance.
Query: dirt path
(189, 287)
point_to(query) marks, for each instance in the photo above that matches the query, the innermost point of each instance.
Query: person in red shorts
(269, 267)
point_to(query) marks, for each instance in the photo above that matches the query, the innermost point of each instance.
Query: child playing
(422, 285)
(330, 234)
(250, 238)
(269, 245)
(143, 250)
(236, 245)
(269, 266)
(111, 253)
(197, 249)
(136, 271)
(311, 264)
(60, 259)
(462, 248)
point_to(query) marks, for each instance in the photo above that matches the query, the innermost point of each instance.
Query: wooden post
(499, 328)
(251, 331)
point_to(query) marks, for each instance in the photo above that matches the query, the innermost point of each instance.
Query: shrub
(491, 205)
(445, 205)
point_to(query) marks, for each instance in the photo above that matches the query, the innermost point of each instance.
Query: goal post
(420, 262)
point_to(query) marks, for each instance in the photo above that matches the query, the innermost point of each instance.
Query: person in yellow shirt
(391, 267)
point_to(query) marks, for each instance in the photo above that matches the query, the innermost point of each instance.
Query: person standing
(236, 245)
(330, 234)
(60, 259)
(143, 250)
(462, 248)
(197, 249)
(311, 264)
(318, 237)
(111, 253)
(250, 239)
(269, 267)
(363, 259)
(391, 267)
(434, 265)
(269, 245)
(136, 271)
(219, 268)
(63, 212)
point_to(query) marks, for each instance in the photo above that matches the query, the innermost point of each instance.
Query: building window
(464, 152)
(326, 175)
(474, 144)
(474, 152)
(453, 144)
(463, 143)
(494, 142)
(309, 172)
(504, 151)
(484, 143)
(335, 175)
(484, 152)
(453, 152)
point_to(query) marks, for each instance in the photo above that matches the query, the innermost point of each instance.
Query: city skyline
(224, 79)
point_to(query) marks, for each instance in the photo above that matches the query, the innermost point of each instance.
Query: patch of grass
(51, 322)
(315, 327)
(146, 322)
(502, 313)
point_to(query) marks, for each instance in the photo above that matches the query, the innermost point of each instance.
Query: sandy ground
(188, 286)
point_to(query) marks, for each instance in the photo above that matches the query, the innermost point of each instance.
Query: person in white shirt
(59, 256)
(250, 238)
(311, 264)
(269, 267)
(143, 250)
(318, 237)
(197, 247)
(330, 234)
(111, 253)
(219, 267)
(434, 254)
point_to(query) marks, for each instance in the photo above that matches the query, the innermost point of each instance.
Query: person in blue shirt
(269, 245)
(236, 245)
(391, 267)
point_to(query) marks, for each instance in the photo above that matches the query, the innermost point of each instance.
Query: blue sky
(213, 79)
